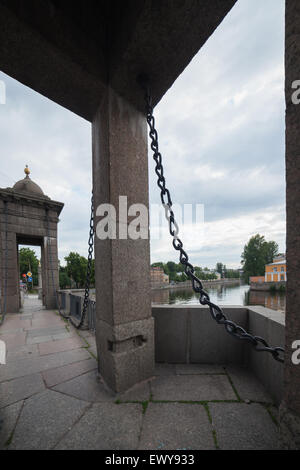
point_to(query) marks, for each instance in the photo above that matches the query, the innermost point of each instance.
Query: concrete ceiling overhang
(69, 51)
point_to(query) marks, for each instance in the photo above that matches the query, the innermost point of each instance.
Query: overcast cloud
(221, 130)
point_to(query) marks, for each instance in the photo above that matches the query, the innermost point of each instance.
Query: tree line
(72, 275)
(256, 254)
(176, 273)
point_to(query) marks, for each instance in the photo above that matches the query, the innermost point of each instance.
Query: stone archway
(27, 216)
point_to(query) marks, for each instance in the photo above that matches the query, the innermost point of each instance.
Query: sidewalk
(52, 398)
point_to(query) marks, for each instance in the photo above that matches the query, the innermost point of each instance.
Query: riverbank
(268, 286)
(221, 294)
(206, 283)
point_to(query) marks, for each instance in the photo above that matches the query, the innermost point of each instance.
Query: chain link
(89, 267)
(216, 312)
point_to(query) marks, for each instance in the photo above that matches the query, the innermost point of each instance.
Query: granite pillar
(124, 325)
(51, 272)
(40, 282)
(290, 406)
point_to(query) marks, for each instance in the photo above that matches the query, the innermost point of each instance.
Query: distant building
(259, 279)
(276, 271)
(158, 276)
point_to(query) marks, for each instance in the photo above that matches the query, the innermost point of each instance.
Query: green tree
(158, 263)
(172, 267)
(232, 274)
(64, 280)
(76, 268)
(219, 268)
(28, 261)
(257, 253)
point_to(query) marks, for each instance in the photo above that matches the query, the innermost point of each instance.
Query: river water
(222, 294)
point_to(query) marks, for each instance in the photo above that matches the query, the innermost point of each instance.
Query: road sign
(29, 274)
(29, 279)
(23, 275)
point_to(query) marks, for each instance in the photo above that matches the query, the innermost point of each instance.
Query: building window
(275, 270)
(282, 269)
(282, 277)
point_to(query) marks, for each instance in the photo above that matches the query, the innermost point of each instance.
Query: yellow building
(276, 271)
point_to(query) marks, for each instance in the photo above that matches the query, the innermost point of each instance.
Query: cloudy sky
(221, 130)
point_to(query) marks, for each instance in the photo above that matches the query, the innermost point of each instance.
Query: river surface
(235, 294)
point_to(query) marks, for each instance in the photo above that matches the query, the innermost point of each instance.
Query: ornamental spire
(27, 171)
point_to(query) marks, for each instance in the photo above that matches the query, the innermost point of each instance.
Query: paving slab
(106, 426)
(274, 412)
(44, 338)
(88, 387)
(191, 369)
(92, 347)
(12, 331)
(18, 389)
(14, 341)
(88, 334)
(45, 314)
(8, 420)
(38, 339)
(44, 419)
(192, 388)
(165, 369)
(176, 426)
(93, 350)
(240, 426)
(63, 335)
(60, 345)
(26, 315)
(44, 322)
(14, 321)
(62, 374)
(28, 350)
(50, 331)
(247, 385)
(140, 392)
(33, 365)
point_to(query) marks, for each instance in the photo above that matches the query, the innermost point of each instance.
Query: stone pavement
(52, 398)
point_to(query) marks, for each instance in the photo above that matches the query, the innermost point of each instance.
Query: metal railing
(71, 303)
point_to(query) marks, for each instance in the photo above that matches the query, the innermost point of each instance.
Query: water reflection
(273, 300)
(234, 294)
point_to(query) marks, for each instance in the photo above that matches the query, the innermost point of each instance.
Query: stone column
(50, 267)
(9, 260)
(290, 407)
(40, 282)
(124, 326)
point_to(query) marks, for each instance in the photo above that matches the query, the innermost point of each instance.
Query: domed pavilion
(27, 217)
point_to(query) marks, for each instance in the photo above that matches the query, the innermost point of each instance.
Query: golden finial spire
(26, 171)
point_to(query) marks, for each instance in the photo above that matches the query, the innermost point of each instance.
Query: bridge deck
(52, 398)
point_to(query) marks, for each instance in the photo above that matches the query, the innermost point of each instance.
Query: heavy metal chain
(216, 312)
(89, 266)
(88, 272)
